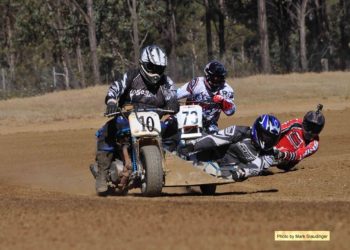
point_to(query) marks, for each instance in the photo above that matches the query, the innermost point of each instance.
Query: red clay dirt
(48, 199)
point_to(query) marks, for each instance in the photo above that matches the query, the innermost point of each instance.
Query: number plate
(145, 124)
(189, 116)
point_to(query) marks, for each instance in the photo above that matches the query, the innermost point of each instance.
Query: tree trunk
(263, 38)
(208, 30)
(172, 37)
(222, 31)
(135, 30)
(80, 63)
(283, 31)
(10, 52)
(302, 35)
(64, 51)
(194, 54)
(93, 42)
(90, 21)
(319, 35)
(344, 34)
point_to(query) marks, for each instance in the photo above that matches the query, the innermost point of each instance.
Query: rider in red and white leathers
(299, 139)
(212, 93)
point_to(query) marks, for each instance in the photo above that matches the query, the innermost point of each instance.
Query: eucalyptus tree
(89, 17)
(298, 11)
(263, 38)
(344, 27)
(281, 36)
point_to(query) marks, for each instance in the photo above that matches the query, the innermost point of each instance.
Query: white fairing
(145, 124)
(190, 116)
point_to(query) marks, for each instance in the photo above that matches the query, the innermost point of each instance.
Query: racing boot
(239, 175)
(103, 161)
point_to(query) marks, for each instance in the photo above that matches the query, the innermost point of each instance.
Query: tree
(344, 27)
(11, 54)
(263, 38)
(208, 17)
(58, 25)
(276, 36)
(135, 30)
(298, 11)
(221, 31)
(89, 18)
(318, 40)
(280, 29)
(172, 35)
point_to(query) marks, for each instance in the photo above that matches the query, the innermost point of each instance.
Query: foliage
(37, 36)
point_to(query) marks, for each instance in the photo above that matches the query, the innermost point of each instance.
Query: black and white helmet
(153, 62)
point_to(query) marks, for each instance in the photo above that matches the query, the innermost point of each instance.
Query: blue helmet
(266, 131)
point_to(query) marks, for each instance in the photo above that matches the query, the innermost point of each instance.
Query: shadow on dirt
(192, 192)
(189, 191)
(279, 171)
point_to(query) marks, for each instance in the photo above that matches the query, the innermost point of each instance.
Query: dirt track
(48, 200)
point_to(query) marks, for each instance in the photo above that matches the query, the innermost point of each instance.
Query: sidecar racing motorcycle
(152, 165)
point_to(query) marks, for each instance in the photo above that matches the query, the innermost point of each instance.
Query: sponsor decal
(295, 139)
(140, 92)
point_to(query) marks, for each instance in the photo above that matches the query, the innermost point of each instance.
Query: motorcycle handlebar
(169, 111)
(198, 102)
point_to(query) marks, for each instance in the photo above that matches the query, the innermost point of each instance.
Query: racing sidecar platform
(180, 173)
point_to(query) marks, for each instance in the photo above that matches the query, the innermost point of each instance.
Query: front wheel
(208, 189)
(151, 160)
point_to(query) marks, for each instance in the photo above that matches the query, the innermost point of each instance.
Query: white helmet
(153, 62)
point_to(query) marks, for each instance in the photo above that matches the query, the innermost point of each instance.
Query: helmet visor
(269, 140)
(312, 128)
(154, 69)
(217, 81)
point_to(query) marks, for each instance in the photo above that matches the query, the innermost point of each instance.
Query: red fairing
(293, 143)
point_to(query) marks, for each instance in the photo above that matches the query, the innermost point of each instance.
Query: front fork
(131, 162)
(127, 169)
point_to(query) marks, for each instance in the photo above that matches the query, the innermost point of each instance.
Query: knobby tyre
(208, 189)
(151, 161)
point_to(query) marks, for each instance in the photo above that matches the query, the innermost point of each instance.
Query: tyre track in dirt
(48, 200)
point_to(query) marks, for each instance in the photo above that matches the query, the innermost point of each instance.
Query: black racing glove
(278, 154)
(111, 108)
(186, 149)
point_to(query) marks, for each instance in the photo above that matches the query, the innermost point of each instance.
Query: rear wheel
(208, 189)
(151, 160)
